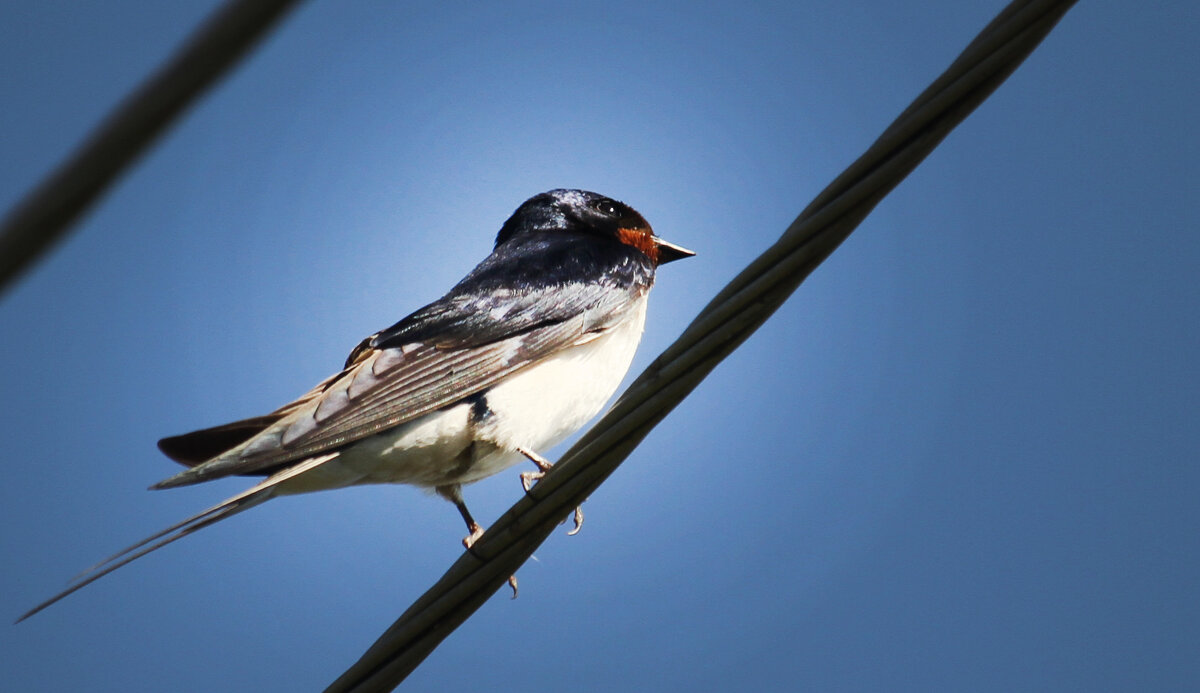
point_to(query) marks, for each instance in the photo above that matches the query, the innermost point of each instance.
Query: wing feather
(421, 379)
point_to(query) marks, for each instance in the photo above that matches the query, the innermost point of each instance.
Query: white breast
(540, 406)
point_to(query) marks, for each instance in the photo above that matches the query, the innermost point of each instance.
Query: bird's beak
(669, 252)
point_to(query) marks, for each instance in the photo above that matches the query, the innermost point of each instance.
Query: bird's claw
(528, 477)
(470, 539)
(578, 521)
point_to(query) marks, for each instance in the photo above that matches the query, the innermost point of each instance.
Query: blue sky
(962, 457)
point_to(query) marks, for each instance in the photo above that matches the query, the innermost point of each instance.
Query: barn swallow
(517, 356)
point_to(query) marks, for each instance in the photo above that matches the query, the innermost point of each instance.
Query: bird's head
(580, 211)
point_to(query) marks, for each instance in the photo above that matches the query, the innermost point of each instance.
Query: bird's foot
(578, 521)
(527, 479)
(469, 541)
(476, 532)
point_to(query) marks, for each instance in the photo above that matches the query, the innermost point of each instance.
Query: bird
(515, 357)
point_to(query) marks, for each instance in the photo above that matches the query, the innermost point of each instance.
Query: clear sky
(962, 457)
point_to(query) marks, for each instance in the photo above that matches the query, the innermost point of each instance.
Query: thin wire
(732, 316)
(47, 212)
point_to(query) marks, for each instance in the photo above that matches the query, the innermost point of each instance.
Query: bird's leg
(453, 493)
(542, 463)
(527, 478)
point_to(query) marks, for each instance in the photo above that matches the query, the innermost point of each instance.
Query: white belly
(536, 409)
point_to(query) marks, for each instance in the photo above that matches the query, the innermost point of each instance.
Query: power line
(47, 211)
(736, 312)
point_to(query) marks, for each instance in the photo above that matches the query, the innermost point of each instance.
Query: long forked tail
(229, 507)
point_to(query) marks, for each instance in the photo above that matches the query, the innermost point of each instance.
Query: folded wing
(391, 380)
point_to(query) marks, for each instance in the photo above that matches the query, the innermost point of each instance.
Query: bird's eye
(606, 207)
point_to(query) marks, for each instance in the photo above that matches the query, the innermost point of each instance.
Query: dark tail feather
(245, 500)
(201, 446)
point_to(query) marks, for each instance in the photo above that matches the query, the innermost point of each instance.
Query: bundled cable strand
(47, 212)
(729, 319)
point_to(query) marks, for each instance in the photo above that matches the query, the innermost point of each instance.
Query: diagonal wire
(47, 211)
(732, 316)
